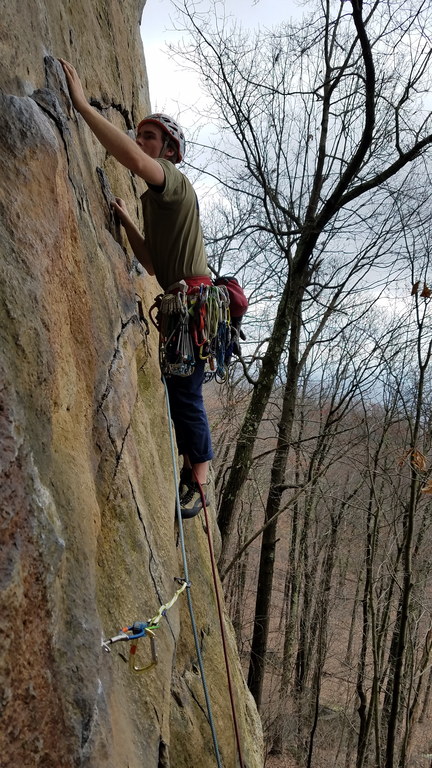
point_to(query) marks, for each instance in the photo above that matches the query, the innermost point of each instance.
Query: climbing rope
(221, 623)
(188, 594)
(218, 599)
(147, 629)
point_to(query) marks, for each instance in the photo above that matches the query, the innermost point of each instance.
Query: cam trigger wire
(188, 595)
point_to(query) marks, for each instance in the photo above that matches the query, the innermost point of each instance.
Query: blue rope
(186, 577)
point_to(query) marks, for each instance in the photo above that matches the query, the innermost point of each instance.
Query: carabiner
(154, 656)
(138, 629)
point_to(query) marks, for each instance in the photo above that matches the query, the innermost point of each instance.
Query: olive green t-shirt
(172, 229)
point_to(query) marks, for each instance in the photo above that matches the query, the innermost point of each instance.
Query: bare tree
(323, 138)
(313, 118)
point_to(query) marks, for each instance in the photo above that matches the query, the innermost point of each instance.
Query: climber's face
(150, 139)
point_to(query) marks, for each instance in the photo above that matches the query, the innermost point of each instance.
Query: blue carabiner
(139, 628)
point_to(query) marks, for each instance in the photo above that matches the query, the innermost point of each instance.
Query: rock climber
(172, 249)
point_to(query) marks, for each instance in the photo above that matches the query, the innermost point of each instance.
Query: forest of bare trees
(322, 162)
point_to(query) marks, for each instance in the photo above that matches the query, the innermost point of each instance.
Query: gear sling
(194, 313)
(192, 316)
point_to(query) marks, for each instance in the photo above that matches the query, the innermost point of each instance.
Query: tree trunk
(268, 546)
(413, 715)
(292, 590)
(403, 623)
(407, 584)
(322, 624)
(242, 460)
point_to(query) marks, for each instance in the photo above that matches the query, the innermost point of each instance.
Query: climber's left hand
(75, 86)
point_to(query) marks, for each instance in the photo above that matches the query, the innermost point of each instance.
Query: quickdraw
(176, 352)
(196, 317)
(141, 629)
(137, 630)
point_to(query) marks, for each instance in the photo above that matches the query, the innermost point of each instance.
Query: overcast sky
(177, 92)
(172, 91)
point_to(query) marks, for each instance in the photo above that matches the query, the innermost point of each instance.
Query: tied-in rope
(218, 600)
(188, 587)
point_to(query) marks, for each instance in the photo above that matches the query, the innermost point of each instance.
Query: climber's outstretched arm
(121, 146)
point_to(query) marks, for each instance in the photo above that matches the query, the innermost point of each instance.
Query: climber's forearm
(122, 147)
(138, 245)
(119, 144)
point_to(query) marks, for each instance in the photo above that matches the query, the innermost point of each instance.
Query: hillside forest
(320, 162)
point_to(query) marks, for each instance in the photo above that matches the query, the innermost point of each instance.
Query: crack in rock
(118, 452)
(195, 699)
(55, 103)
(110, 387)
(163, 761)
(117, 353)
(55, 79)
(114, 226)
(118, 108)
(48, 102)
(152, 558)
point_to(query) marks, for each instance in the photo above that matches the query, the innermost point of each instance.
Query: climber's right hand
(119, 206)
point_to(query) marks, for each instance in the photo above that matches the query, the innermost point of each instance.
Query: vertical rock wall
(87, 534)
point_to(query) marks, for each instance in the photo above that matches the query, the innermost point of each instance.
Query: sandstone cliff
(88, 538)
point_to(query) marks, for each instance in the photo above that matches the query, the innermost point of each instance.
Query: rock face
(87, 532)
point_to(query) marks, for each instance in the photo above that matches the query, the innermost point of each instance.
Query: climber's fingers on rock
(74, 83)
(119, 206)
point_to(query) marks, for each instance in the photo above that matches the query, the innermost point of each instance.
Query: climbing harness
(144, 629)
(188, 595)
(190, 318)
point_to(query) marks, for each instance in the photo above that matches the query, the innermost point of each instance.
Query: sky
(171, 90)
(176, 91)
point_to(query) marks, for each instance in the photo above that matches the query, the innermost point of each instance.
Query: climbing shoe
(185, 479)
(190, 500)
